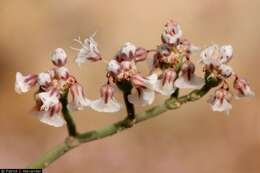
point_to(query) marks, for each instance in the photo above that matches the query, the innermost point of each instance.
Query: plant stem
(72, 142)
(129, 106)
(68, 118)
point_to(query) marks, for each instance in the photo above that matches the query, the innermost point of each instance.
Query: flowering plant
(171, 68)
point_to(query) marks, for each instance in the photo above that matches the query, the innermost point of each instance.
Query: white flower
(24, 83)
(215, 55)
(144, 94)
(62, 73)
(210, 56)
(242, 87)
(220, 101)
(59, 57)
(113, 66)
(51, 117)
(88, 51)
(225, 70)
(107, 102)
(187, 78)
(226, 52)
(165, 84)
(48, 99)
(44, 79)
(79, 100)
(172, 32)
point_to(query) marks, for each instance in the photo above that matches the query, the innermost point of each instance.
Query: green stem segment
(68, 118)
(72, 142)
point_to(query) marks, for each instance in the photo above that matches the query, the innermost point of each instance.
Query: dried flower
(88, 51)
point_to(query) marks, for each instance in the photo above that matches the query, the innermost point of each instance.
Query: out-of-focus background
(192, 139)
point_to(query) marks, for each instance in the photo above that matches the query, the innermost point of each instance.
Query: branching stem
(76, 139)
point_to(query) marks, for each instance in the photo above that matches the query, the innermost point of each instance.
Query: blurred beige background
(192, 139)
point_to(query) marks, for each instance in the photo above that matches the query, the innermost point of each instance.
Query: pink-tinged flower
(79, 100)
(187, 78)
(88, 51)
(49, 99)
(107, 102)
(59, 57)
(225, 70)
(165, 83)
(129, 52)
(51, 117)
(113, 66)
(62, 73)
(144, 94)
(24, 83)
(242, 87)
(172, 33)
(44, 79)
(220, 101)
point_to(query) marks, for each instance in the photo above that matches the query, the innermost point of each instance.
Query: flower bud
(172, 33)
(62, 73)
(59, 57)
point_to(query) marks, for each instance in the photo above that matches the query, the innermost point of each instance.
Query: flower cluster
(53, 84)
(215, 59)
(171, 68)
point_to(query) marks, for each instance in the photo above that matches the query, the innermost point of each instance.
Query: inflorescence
(171, 69)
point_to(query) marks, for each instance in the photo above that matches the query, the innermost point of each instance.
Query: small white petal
(195, 82)
(167, 89)
(55, 120)
(111, 106)
(219, 106)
